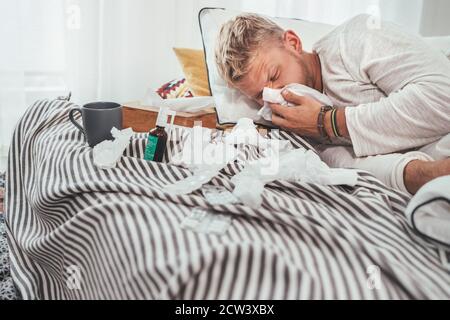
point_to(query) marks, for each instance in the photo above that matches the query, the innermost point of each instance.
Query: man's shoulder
(361, 20)
(357, 23)
(367, 30)
(361, 24)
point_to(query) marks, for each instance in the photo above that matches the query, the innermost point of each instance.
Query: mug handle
(75, 123)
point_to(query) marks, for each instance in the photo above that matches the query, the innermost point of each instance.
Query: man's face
(275, 67)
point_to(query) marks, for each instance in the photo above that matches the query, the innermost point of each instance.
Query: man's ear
(292, 41)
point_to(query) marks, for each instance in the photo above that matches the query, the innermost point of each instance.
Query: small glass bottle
(157, 137)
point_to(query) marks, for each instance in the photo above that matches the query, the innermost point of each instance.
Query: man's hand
(300, 119)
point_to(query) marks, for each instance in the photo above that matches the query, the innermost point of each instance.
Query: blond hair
(239, 41)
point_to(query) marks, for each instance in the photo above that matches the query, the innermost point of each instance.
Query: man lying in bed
(391, 92)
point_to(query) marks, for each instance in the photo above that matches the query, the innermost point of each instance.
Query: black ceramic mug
(98, 120)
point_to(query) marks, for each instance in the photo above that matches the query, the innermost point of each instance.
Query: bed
(118, 234)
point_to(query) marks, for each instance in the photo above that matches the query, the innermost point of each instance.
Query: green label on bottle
(150, 148)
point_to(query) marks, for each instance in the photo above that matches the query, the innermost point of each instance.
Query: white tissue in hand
(275, 96)
(299, 165)
(108, 153)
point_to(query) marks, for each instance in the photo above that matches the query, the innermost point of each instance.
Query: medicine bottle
(157, 137)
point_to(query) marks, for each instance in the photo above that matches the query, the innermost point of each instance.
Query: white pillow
(231, 105)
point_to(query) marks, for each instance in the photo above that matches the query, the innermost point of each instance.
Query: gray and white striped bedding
(122, 231)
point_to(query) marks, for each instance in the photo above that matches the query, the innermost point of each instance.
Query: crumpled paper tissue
(299, 165)
(245, 132)
(274, 96)
(108, 153)
(200, 176)
(279, 162)
(205, 157)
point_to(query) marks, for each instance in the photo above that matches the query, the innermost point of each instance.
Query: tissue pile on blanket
(280, 162)
(299, 165)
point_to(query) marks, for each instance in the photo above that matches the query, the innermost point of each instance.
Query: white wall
(435, 18)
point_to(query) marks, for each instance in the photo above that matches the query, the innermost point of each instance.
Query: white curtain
(117, 49)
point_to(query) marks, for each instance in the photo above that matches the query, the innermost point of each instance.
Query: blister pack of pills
(218, 195)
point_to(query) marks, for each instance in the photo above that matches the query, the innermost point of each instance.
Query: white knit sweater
(398, 87)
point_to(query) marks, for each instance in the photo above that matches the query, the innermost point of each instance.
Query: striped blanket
(78, 232)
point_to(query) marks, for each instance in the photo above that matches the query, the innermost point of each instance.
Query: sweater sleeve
(415, 80)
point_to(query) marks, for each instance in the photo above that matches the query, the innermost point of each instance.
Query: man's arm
(303, 118)
(415, 80)
(415, 116)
